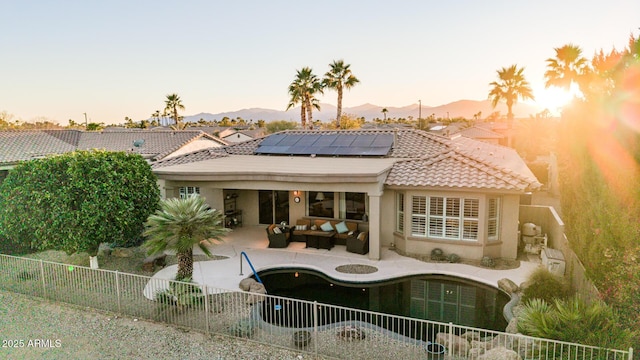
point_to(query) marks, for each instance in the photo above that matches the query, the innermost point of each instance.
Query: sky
(115, 59)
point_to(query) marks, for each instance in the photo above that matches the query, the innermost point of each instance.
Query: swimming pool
(429, 297)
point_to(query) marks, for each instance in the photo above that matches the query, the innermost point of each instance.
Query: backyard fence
(304, 326)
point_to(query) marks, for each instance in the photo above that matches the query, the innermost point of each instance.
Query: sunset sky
(111, 59)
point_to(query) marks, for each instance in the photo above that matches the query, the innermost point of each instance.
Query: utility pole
(420, 114)
(85, 121)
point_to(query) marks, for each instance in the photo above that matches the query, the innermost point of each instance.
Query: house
(21, 145)
(409, 188)
(236, 136)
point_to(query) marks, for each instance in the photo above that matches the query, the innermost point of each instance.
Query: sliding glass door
(274, 206)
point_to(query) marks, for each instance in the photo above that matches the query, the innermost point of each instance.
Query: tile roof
(423, 159)
(456, 170)
(476, 132)
(19, 145)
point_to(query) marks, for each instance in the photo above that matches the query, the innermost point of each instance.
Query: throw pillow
(341, 227)
(314, 227)
(301, 227)
(350, 233)
(276, 230)
(326, 226)
(362, 236)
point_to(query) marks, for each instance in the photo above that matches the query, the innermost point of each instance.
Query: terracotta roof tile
(28, 144)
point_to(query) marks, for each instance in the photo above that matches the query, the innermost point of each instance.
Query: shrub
(182, 293)
(243, 328)
(487, 261)
(454, 258)
(575, 320)
(437, 255)
(545, 286)
(76, 201)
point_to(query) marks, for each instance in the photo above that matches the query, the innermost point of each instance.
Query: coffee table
(320, 239)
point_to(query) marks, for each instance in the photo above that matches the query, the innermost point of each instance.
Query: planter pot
(435, 350)
(301, 339)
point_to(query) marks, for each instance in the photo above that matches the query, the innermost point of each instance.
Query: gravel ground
(68, 332)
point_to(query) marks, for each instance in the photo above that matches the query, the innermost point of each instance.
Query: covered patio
(252, 240)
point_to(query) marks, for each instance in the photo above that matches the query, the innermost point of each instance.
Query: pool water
(428, 297)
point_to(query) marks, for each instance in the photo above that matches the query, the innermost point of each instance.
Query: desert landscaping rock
(84, 333)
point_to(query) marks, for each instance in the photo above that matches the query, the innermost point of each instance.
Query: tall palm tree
(303, 90)
(173, 104)
(511, 87)
(296, 91)
(339, 77)
(567, 68)
(180, 224)
(384, 113)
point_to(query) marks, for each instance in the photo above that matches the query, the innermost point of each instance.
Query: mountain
(462, 108)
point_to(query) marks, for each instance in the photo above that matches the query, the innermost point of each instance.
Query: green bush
(545, 286)
(76, 201)
(575, 320)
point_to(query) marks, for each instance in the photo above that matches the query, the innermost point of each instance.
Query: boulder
(507, 286)
(457, 346)
(471, 335)
(474, 353)
(512, 328)
(500, 353)
(245, 284)
(257, 290)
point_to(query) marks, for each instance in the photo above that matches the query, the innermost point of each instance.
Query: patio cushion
(326, 226)
(341, 227)
(362, 236)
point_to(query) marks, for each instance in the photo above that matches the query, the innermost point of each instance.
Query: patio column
(374, 227)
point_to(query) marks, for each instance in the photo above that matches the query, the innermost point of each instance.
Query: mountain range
(462, 108)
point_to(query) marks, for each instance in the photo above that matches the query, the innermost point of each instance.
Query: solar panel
(327, 145)
(272, 140)
(364, 140)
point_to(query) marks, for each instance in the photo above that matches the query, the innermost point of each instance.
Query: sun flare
(554, 98)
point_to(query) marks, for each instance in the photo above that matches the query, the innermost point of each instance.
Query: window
(320, 204)
(493, 217)
(400, 212)
(447, 217)
(353, 206)
(187, 191)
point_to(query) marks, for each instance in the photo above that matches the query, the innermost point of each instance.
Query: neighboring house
(481, 134)
(22, 145)
(410, 188)
(236, 136)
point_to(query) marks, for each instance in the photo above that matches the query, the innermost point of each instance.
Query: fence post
(450, 352)
(630, 353)
(206, 307)
(118, 291)
(44, 282)
(315, 327)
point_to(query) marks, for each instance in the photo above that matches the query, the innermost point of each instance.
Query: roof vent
(138, 142)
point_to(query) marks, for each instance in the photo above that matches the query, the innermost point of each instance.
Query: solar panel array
(327, 144)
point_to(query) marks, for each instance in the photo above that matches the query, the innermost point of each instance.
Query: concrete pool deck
(225, 274)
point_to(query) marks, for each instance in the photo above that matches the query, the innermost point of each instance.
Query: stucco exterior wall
(505, 247)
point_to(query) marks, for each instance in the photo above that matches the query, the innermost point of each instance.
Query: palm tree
(180, 224)
(303, 90)
(567, 68)
(339, 77)
(511, 87)
(384, 113)
(173, 104)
